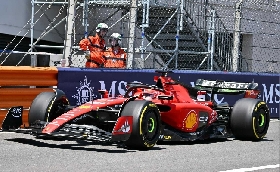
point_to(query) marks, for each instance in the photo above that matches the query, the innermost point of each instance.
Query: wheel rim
(261, 125)
(150, 126)
(261, 120)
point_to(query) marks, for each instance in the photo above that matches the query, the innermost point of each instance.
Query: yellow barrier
(15, 82)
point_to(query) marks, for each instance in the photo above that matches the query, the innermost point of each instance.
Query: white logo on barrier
(84, 92)
(271, 95)
(115, 86)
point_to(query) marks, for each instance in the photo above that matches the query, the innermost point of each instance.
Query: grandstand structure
(227, 35)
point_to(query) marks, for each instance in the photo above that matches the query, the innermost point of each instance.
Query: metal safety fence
(160, 34)
(180, 34)
(223, 35)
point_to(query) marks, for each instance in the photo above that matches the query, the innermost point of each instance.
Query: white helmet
(115, 39)
(101, 26)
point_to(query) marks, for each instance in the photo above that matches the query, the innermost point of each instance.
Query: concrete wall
(15, 14)
(260, 30)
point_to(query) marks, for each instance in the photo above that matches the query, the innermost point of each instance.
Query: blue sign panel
(81, 84)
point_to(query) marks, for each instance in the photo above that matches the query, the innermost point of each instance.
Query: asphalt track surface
(21, 152)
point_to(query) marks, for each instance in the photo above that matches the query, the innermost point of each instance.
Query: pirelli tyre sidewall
(46, 106)
(146, 124)
(249, 119)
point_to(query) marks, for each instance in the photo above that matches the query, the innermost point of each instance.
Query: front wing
(121, 131)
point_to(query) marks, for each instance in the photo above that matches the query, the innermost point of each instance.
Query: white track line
(274, 120)
(253, 168)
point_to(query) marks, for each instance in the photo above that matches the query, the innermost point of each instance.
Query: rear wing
(224, 87)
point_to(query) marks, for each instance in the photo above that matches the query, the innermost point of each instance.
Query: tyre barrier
(19, 85)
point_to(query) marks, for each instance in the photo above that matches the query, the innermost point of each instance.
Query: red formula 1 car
(166, 111)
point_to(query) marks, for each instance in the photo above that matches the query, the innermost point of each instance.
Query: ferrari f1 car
(146, 114)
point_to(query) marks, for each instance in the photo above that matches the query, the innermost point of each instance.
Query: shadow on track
(256, 141)
(69, 146)
(209, 141)
(80, 145)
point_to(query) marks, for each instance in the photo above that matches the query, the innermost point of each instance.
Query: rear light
(201, 95)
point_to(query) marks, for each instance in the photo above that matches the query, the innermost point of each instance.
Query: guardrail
(19, 85)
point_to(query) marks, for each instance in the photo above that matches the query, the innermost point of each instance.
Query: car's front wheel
(146, 124)
(46, 107)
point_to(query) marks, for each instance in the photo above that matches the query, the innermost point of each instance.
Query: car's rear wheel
(146, 124)
(249, 119)
(46, 107)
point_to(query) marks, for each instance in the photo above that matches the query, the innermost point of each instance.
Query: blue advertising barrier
(80, 84)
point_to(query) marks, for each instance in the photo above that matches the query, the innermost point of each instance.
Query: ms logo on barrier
(84, 92)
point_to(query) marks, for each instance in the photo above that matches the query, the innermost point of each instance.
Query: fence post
(69, 31)
(33, 59)
(32, 26)
(85, 17)
(211, 41)
(132, 23)
(236, 36)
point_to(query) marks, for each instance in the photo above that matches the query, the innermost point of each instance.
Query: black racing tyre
(249, 119)
(46, 107)
(146, 124)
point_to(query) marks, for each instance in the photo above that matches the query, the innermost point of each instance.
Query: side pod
(13, 119)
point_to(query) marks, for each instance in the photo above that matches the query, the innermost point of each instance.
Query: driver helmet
(115, 39)
(148, 96)
(102, 26)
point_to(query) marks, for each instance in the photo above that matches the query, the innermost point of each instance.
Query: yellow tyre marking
(141, 116)
(140, 127)
(254, 128)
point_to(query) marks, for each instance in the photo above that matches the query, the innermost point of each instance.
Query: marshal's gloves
(87, 54)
